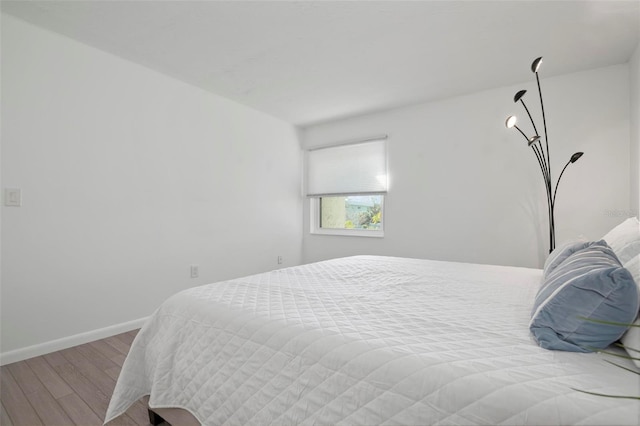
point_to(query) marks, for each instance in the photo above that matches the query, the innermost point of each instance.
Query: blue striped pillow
(561, 253)
(590, 283)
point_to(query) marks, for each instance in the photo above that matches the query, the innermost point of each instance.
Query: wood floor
(69, 387)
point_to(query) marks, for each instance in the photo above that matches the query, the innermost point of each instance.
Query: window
(346, 185)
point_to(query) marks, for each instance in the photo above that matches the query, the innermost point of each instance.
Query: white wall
(128, 177)
(464, 188)
(634, 81)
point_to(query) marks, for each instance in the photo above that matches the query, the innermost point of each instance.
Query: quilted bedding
(367, 340)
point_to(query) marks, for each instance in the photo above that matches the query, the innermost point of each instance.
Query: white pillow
(631, 338)
(633, 266)
(624, 239)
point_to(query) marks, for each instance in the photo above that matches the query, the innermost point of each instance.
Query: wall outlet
(13, 197)
(195, 271)
(280, 260)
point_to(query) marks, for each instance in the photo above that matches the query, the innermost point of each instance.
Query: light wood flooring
(69, 387)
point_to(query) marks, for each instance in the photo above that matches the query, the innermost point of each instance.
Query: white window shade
(348, 169)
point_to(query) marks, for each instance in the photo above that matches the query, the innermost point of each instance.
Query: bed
(367, 340)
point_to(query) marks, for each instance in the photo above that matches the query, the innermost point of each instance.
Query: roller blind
(357, 168)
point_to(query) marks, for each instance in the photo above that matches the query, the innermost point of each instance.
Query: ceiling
(313, 61)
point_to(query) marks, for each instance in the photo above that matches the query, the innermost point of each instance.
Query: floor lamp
(541, 152)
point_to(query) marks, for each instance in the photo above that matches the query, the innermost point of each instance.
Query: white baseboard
(68, 342)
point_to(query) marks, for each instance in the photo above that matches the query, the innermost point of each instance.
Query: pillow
(633, 266)
(631, 339)
(559, 254)
(624, 239)
(590, 284)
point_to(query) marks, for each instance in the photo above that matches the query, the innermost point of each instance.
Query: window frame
(314, 198)
(316, 229)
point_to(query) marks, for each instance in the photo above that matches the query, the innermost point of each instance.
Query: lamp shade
(575, 157)
(533, 139)
(535, 66)
(511, 121)
(519, 95)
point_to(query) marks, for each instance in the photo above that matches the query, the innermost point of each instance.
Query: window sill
(348, 233)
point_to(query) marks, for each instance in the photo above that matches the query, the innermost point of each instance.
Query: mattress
(367, 340)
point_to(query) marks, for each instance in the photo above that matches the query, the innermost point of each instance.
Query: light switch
(12, 197)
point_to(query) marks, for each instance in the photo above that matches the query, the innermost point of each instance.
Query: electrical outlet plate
(195, 271)
(12, 197)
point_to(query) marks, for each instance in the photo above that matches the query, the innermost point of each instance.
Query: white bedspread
(367, 340)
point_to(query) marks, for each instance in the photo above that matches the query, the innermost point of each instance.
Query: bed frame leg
(154, 418)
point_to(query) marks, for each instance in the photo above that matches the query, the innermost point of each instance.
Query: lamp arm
(543, 161)
(522, 133)
(545, 171)
(530, 118)
(552, 215)
(550, 200)
(553, 199)
(547, 187)
(544, 122)
(540, 157)
(544, 174)
(542, 166)
(552, 225)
